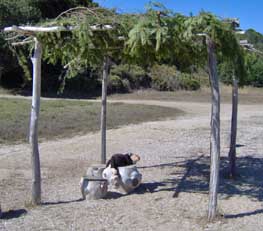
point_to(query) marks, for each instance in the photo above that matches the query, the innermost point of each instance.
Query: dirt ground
(175, 168)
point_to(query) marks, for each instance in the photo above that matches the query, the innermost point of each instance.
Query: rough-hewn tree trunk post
(215, 130)
(33, 135)
(106, 69)
(232, 150)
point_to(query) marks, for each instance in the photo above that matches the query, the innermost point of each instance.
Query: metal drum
(93, 186)
(130, 177)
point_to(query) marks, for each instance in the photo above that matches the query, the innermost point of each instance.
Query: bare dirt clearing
(175, 168)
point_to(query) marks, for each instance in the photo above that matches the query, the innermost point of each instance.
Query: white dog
(112, 176)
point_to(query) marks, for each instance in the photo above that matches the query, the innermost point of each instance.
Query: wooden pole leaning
(215, 130)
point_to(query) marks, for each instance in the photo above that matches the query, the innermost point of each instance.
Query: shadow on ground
(193, 176)
(13, 214)
(61, 202)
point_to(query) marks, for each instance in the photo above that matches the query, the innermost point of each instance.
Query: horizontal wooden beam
(32, 29)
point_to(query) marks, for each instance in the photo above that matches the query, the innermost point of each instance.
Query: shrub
(225, 73)
(133, 76)
(164, 78)
(255, 73)
(167, 78)
(116, 85)
(187, 82)
(201, 75)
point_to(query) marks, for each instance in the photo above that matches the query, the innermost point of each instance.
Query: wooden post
(106, 69)
(215, 130)
(33, 135)
(232, 150)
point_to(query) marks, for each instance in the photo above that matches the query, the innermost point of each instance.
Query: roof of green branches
(159, 35)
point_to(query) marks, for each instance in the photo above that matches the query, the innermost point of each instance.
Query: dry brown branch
(90, 10)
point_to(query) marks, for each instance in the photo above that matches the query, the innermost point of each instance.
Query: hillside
(255, 38)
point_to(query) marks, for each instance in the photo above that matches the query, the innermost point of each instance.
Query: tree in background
(254, 38)
(14, 12)
(254, 68)
(52, 8)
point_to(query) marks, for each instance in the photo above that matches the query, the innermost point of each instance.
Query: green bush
(187, 82)
(225, 73)
(202, 77)
(254, 70)
(164, 78)
(133, 76)
(116, 85)
(167, 78)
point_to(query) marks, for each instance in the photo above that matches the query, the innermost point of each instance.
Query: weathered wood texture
(232, 150)
(215, 130)
(23, 29)
(106, 69)
(33, 135)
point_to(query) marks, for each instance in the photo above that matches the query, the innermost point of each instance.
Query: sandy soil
(175, 169)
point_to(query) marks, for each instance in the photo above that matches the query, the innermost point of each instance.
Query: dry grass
(4, 91)
(247, 95)
(64, 118)
(174, 161)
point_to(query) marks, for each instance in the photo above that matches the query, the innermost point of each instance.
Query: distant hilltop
(254, 38)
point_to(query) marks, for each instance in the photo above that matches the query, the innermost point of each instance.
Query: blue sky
(250, 13)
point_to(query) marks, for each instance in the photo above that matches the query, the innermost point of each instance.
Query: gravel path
(175, 168)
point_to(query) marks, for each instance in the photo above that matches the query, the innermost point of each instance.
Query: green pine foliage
(227, 45)
(254, 65)
(83, 46)
(132, 76)
(168, 78)
(254, 38)
(136, 44)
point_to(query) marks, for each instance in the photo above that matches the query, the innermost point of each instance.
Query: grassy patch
(247, 95)
(64, 118)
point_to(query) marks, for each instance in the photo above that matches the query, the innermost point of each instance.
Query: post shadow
(11, 214)
(240, 215)
(61, 202)
(195, 179)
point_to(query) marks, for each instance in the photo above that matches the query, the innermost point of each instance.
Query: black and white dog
(111, 172)
(121, 160)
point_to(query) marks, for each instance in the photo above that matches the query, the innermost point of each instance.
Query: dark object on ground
(12, 214)
(121, 160)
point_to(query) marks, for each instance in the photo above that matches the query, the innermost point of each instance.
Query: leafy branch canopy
(159, 35)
